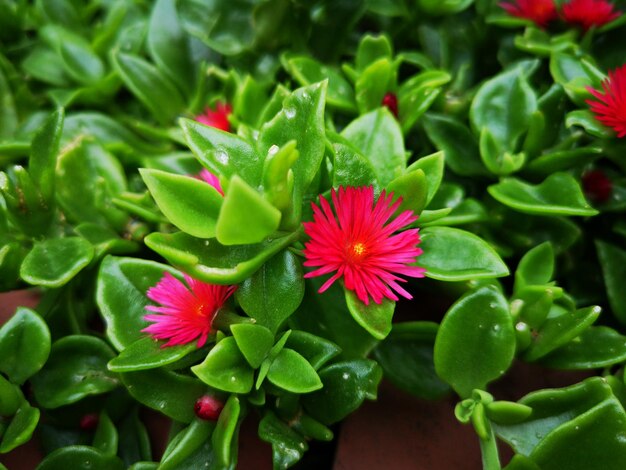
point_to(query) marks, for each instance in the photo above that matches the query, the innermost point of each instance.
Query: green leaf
(186, 443)
(559, 194)
(587, 120)
(80, 457)
(245, 217)
(613, 262)
(503, 105)
(104, 240)
(20, 428)
(372, 48)
(24, 345)
(75, 369)
(351, 168)
(254, 342)
(288, 446)
(536, 267)
(406, 357)
(378, 137)
(148, 353)
(497, 160)
(452, 254)
(121, 296)
(373, 83)
(316, 350)
(11, 398)
(54, 262)
(209, 261)
(278, 176)
(224, 437)
(432, 166)
(301, 119)
(154, 90)
(475, 344)
(274, 351)
(346, 385)
(292, 372)
(105, 438)
(417, 94)
(43, 154)
(596, 347)
(563, 160)
(557, 331)
(412, 187)
(274, 292)
(223, 153)
(506, 412)
(168, 45)
(170, 393)
(375, 318)
(225, 368)
(190, 204)
(456, 141)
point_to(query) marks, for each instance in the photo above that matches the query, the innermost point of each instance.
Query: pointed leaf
(148, 353)
(292, 372)
(225, 368)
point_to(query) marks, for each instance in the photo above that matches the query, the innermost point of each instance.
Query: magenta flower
(588, 13)
(217, 117)
(360, 245)
(208, 177)
(541, 12)
(610, 107)
(185, 312)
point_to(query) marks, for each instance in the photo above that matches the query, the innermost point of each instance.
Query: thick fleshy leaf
(536, 267)
(186, 443)
(351, 168)
(121, 296)
(24, 345)
(587, 120)
(406, 357)
(432, 166)
(557, 331)
(475, 344)
(54, 262)
(224, 438)
(246, 217)
(148, 353)
(288, 446)
(209, 261)
(596, 347)
(189, 203)
(316, 350)
(346, 385)
(274, 292)
(21, 427)
(254, 342)
(378, 137)
(172, 394)
(78, 456)
(75, 369)
(43, 154)
(375, 318)
(558, 194)
(106, 438)
(452, 254)
(373, 83)
(412, 187)
(225, 368)
(613, 262)
(292, 372)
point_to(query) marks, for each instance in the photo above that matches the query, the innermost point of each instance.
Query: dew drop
(221, 156)
(273, 150)
(290, 113)
(345, 376)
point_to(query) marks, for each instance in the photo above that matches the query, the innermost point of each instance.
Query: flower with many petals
(185, 312)
(610, 107)
(217, 117)
(588, 13)
(541, 12)
(358, 242)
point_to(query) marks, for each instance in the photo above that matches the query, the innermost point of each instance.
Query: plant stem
(489, 452)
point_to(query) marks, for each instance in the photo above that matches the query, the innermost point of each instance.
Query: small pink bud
(391, 101)
(597, 186)
(208, 408)
(89, 421)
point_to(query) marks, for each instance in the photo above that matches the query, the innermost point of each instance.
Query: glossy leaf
(186, 443)
(536, 267)
(288, 446)
(254, 342)
(412, 187)
(43, 154)
(351, 167)
(432, 166)
(375, 318)
(54, 262)
(189, 203)
(24, 345)
(75, 369)
(224, 437)
(613, 262)
(292, 372)
(225, 368)
(80, 457)
(21, 428)
(346, 385)
(148, 353)
(274, 292)
(451, 254)
(475, 344)
(106, 438)
(316, 350)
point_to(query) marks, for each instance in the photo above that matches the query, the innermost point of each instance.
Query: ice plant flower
(390, 100)
(541, 12)
(208, 177)
(597, 186)
(217, 117)
(359, 243)
(588, 13)
(185, 312)
(208, 408)
(610, 107)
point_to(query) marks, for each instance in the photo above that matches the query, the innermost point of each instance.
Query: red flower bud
(89, 421)
(390, 100)
(597, 186)
(208, 408)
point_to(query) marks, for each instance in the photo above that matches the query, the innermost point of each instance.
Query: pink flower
(390, 100)
(541, 12)
(208, 177)
(186, 312)
(588, 13)
(610, 107)
(218, 117)
(359, 245)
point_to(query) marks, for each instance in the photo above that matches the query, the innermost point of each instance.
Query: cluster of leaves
(488, 144)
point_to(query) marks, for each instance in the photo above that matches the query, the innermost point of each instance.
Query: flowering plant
(222, 205)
